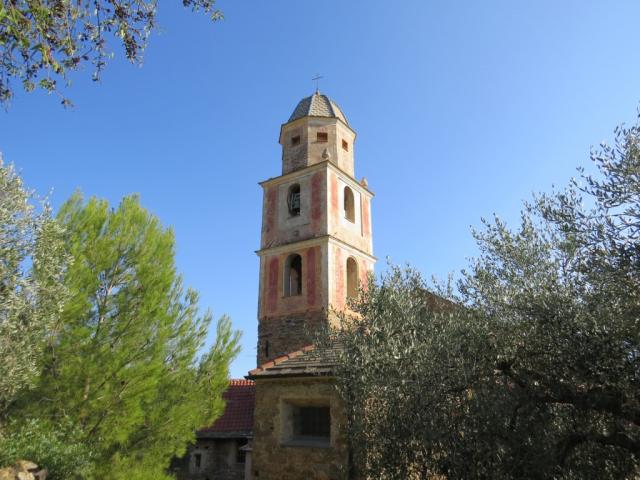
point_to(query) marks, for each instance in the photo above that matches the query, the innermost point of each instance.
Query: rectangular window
(295, 140)
(312, 423)
(306, 423)
(241, 454)
(197, 460)
(345, 145)
(323, 137)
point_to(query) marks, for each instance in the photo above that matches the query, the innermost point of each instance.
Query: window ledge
(307, 443)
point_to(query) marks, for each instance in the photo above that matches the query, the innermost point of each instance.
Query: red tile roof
(238, 413)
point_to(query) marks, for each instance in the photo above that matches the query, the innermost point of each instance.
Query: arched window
(293, 200)
(293, 276)
(349, 207)
(352, 278)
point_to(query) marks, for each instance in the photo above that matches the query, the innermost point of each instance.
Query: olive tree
(32, 263)
(529, 365)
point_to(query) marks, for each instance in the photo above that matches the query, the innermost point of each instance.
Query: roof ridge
(282, 358)
(311, 104)
(333, 110)
(240, 382)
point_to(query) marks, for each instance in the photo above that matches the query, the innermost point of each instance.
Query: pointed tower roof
(317, 105)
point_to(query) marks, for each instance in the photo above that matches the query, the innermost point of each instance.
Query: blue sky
(462, 109)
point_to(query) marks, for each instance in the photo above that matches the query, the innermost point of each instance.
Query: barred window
(312, 422)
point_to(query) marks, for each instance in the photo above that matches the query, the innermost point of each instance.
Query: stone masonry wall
(274, 461)
(218, 460)
(309, 151)
(287, 334)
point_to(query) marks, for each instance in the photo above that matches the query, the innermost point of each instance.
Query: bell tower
(316, 244)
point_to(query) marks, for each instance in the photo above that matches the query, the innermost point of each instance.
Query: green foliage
(124, 365)
(532, 369)
(41, 41)
(32, 261)
(56, 446)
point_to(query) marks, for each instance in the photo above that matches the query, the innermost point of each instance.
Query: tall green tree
(531, 367)
(41, 41)
(32, 261)
(126, 366)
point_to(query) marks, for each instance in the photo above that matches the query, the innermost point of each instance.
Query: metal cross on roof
(317, 80)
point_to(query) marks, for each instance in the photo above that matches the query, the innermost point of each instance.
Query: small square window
(306, 423)
(345, 145)
(323, 137)
(312, 422)
(295, 140)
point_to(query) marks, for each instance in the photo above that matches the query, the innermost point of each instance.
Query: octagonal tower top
(317, 105)
(317, 131)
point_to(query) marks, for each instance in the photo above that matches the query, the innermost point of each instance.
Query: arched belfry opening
(352, 278)
(293, 200)
(349, 205)
(293, 276)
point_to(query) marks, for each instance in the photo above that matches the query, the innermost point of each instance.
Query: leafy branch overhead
(41, 41)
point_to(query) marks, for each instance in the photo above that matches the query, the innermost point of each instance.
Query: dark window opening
(266, 348)
(322, 137)
(295, 140)
(293, 276)
(349, 205)
(352, 278)
(345, 145)
(293, 200)
(312, 422)
(241, 455)
(198, 460)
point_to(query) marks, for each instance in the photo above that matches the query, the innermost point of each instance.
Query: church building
(315, 250)
(316, 247)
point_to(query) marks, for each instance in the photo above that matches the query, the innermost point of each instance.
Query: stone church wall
(273, 458)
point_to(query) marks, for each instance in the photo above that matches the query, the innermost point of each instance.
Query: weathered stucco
(322, 209)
